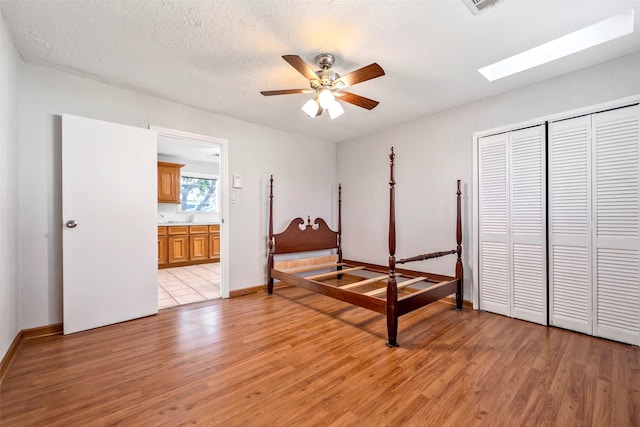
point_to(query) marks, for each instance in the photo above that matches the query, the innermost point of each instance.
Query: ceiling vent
(477, 6)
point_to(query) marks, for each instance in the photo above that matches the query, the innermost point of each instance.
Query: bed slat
(364, 282)
(333, 273)
(400, 285)
(313, 267)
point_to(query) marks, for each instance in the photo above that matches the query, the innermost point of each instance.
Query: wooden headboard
(301, 237)
(312, 237)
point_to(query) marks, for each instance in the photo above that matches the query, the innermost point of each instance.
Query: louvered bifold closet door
(494, 263)
(616, 231)
(569, 171)
(528, 224)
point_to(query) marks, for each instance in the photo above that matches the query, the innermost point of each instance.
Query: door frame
(224, 200)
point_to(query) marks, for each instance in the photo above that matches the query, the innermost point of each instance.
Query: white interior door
(616, 229)
(109, 185)
(570, 299)
(495, 265)
(527, 214)
(512, 223)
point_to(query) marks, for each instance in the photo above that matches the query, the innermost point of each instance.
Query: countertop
(166, 224)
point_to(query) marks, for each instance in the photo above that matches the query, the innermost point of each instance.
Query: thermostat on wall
(237, 181)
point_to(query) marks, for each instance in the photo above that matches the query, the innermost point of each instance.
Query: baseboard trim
(247, 291)
(42, 331)
(254, 290)
(452, 300)
(26, 334)
(8, 357)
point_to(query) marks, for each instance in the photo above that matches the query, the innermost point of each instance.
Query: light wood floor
(297, 359)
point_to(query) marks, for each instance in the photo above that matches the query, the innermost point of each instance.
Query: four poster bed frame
(382, 293)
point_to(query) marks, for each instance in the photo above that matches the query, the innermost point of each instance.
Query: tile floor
(184, 285)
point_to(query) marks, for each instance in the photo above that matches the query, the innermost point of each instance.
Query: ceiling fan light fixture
(326, 98)
(335, 110)
(311, 108)
(326, 84)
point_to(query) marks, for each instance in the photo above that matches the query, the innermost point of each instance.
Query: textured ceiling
(219, 55)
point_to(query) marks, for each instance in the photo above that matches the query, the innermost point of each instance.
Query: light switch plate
(237, 181)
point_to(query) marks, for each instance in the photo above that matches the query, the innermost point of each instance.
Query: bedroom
(433, 150)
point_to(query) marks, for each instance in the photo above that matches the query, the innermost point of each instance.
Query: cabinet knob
(71, 223)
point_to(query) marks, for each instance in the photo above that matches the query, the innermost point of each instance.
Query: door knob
(71, 223)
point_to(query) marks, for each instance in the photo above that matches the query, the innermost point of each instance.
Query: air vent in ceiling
(477, 6)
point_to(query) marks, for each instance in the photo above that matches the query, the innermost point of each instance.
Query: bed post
(392, 288)
(459, 271)
(270, 261)
(340, 223)
(339, 228)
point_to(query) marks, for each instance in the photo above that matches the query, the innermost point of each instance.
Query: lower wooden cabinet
(162, 250)
(214, 242)
(162, 245)
(178, 249)
(183, 245)
(198, 246)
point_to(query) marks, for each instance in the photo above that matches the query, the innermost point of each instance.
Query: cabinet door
(199, 249)
(168, 182)
(162, 250)
(178, 249)
(214, 246)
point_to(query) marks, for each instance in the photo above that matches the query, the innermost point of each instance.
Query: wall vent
(477, 6)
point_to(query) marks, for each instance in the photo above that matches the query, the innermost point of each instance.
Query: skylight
(593, 35)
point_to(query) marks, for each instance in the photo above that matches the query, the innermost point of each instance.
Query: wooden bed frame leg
(270, 263)
(339, 236)
(392, 309)
(459, 269)
(392, 285)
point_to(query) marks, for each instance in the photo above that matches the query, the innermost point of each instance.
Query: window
(198, 194)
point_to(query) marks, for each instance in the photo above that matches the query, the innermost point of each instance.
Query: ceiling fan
(327, 85)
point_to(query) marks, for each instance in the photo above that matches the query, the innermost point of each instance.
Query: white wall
(434, 151)
(10, 297)
(304, 169)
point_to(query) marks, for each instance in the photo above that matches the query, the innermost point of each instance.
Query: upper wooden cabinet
(169, 182)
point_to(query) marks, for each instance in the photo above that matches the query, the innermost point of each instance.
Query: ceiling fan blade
(358, 76)
(358, 100)
(284, 92)
(303, 68)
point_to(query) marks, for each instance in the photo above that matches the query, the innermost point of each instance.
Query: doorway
(192, 230)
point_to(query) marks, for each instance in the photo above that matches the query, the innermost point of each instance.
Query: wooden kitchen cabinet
(180, 245)
(198, 242)
(178, 249)
(178, 242)
(169, 182)
(162, 245)
(214, 242)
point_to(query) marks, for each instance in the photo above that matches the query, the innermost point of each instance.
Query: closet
(586, 242)
(594, 210)
(512, 224)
